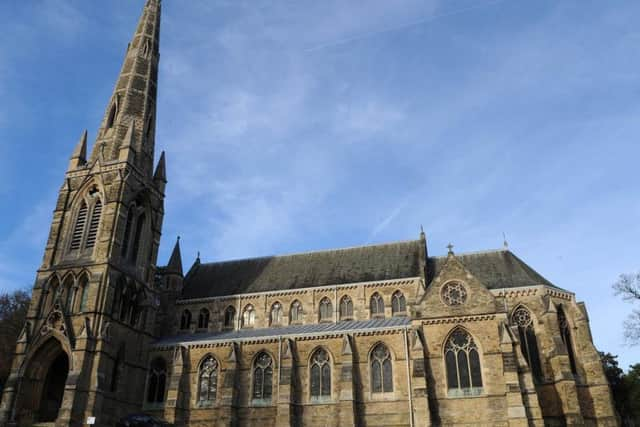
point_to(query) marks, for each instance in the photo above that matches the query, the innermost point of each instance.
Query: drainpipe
(406, 355)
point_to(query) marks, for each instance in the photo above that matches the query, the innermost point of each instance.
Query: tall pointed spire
(79, 156)
(133, 102)
(175, 262)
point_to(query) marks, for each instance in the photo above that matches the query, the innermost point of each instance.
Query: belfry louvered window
(93, 225)
(381, 370)
(78, 229)
(462, 360)
(320, 374)
(521, 318)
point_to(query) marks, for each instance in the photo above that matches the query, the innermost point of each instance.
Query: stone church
(379, 335)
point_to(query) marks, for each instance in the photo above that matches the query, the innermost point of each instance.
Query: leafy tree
(13, 310)
(628, 286)
(625, 389)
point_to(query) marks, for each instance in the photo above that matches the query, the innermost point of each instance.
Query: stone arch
(44, 376)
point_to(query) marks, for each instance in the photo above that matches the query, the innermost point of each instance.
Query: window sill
(320, 399)
(261, 402)
(205, 404)
(465, 392)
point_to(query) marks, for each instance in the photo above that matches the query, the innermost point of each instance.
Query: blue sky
(300, 125)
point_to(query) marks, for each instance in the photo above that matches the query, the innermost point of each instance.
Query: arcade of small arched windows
(275, 316)
(128, 303)
(70, 295)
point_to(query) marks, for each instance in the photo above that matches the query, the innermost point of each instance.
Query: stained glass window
(320, 374)
(376, 305)
(381, 370)
(521, 318)
(295, 314)
(262, 377)
(398, 303)
(157, 380)
(326, 310)
(346, 308)
(208, 380)
(454, 293)
(462, 361)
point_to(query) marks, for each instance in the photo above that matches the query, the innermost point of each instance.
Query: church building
(376, 335)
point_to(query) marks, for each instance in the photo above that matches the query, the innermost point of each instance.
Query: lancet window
(320, 375)
(262, 377)
(376, 305)
(462, 361)
(185, 320)
(326, 309)
(203, 319)
(398, 304)
(565, 333)
(276, 314)
(381, 370)
(208, 380)
(157, 381)
(229, 317)
(521, 318)
(248, 317)
(346, 308)
(295, 314)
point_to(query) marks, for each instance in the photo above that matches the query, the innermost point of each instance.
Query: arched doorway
(53, 388)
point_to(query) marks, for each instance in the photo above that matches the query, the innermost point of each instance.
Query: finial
(178, 238)
(421, 229)
(198, 256)
(450, 247)
(504, 241)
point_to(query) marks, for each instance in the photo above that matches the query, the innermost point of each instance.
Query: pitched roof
(312, 269)
(311, 329)
(495, 269)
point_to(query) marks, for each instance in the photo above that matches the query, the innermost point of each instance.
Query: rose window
(454, 293)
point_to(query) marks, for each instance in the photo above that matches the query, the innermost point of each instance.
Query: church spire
(130, 113)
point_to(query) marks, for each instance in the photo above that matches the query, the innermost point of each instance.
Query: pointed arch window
(138, 236)
(48, 294)
(78, 229)
(346, 308)
(262, 378)
(320, 375)
(93, 225)
(376, 305)
(381, 370)
(295, 314)
(276, 314)
(326, 310)
(84, 295)
(521, 317)
(248, 317)
(462, 361)
(157, 381)
(565, 333)
(185, 320)
(229, 317)
(203, 319)
(208, 380)
(398, 304)
(69, 294)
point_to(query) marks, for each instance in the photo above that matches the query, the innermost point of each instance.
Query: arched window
(381, 370)
(462, 360)
(295, 314)
(262, 377)
(203, 319)
(69, 294)
(326, 310)
(208, 380)
(78, 229)
(229, 317)
(127, 231)
(320, 375)
(93, 225)
(565, 333)
(185, 320)
(136, 241)
(112, 115)
(48, 294)
(521, 317)
(83, 285)
(376, 305)
(398, 304)
(346, 308)
(276, 314)
(157, 380)
(248, 316)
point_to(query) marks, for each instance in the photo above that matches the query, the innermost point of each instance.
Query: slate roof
(495, 269)
(312, 329)
(312, 269)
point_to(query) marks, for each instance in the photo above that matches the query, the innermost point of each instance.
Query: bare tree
(13, 310)
(628, 286)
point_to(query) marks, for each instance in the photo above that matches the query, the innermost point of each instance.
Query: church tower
(94, 304)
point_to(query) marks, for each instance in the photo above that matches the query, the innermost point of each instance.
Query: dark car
(141, 420)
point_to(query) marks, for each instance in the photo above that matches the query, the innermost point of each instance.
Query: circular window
(521, 317)
(454, 293)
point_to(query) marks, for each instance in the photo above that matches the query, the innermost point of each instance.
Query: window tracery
(208, 380)
(346, 308)
(462, 361)
(454, 293)
(565, 333)
(185, 320)
(203, 319)
(320, 375)
(398, 304)
(262, 377)
(381, 370)
(326, 309)
(376, 305)
(295, 314)
(157, 381)
(229, 317)
(248, 316)
(276, 314)
(521, 317)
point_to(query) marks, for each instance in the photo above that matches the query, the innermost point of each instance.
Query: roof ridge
(482, 252)
(311, 252)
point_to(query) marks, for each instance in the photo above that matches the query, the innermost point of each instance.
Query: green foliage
(624, 387)
(13, 310)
